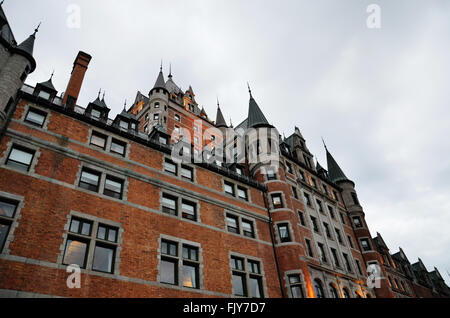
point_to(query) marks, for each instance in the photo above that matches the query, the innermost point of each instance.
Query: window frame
(20, 165)
(38, 112)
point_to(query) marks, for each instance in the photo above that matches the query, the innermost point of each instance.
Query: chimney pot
(76, 79)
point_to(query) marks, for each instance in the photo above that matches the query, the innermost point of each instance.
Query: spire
(255, 115)
(334, 171)
(160, 82)
(220, 120)
(48, 84)
(28, 45)
(170, 70)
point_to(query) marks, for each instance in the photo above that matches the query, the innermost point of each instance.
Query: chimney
(76, 79)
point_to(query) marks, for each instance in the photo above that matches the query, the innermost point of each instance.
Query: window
(177, 129)
(95, 113)
(146, 117)
(232, 224)
(146, 128)
(296, 286)
(162, 140)
(325, 189)
(156, 105)
(309, 248)
(355, 198)
(7, 213)
(170, 166)
(81, 240)
(283, 230)
(229, 188)
(213, 138)
(335, 257)
(242, 193)
(188, 210)
(322, 254)
(113, 187)
(358, 265)
(314, 183)
(271, 175)
(307, 199)
(289, 167)
(347, 263)
(169, 263)
(338, 235)
(343, 218)
(187, 173)
(243, 271)
(156, 116)
(20, 158)
(247, 228)
(177, 118)
(331, 211)
(365, 244)
(302, 175)
(44, 95)
(333, 291)
(239, 171)
(35, 117)
(336, 197)
(301, 217)
(90, 180)
(169, 204)
(318, 289)
(327, 229)
(357, 221)
(314, 224)
(319, 205)
(98, 140)
(294, 192)
(118, 147)
(350, 241)
(276, 201)
(346, 293)
(190, 267)
(123, 124)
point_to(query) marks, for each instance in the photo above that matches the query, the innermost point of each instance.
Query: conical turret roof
(160, 82)
(255, 115)
(220, 120)
(334, 171)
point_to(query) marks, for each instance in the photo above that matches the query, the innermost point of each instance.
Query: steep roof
(255, 115)
(160, 82)
(220, 121)
(334, 171)
(48, 84)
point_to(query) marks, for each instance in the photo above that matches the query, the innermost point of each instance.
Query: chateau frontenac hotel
(79, 189)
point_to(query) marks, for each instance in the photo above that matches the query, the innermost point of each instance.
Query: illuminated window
(277, 201)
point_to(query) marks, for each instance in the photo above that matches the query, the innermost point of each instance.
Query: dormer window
(95, 113)
(44, 95)
(123, 124)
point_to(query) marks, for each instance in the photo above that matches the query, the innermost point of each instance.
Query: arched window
(346, 293)
(318, 289)
(333, 291)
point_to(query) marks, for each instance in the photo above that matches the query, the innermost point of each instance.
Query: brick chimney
(76, 79)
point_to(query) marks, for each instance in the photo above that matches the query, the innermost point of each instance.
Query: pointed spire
(255, 115)
(334, 171)
(170, 70)
(160, 82)
(220, 120)
(27, 46)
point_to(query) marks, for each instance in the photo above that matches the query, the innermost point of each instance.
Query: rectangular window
(240, 274)
(355, 198)
(271, 175)
(44, 95)
(98, 140)
(123, 124)
(301, 217)
(357, 222)
(190, 267)
(347, 263)
(162, 140)
(294, 192)
(232, 224)
(314, 183)
(89, 180)
(295, 285)
(7, 213)
(76, 252)
(169, 204)
(239, 284)
(314, 224)
(331, 211)
(247, 228)
(35, 117)
(350, 241)
(302, 175)
(177, 118)
(342, 218)
(276, 201)
(113, 187)
(325, 189)
(170, 166)
(338, 235)
(188, 210)
(187, 173)
(242, 193)
(169, 263)
(20, 158)
(327, 229)
(358, 265)
(336, 197)
(335, 257)
(365, 244)
(322, 254)
(229, 188)
(155, 116)
(95, 114)
(239, 171)
(107, 233)
(283, 230)
(319, 205)
(289, 167)
(307, 199)
(309, 248)
(118, 147)
(103, 258)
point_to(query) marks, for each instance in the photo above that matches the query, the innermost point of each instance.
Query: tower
(16, 62)
(360, 228)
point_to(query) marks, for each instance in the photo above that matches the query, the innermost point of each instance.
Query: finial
(103, 98)
(99, 92)
(160, 68)
(170, 70)
(1, 3)
(53, 73)
(218, 104)
(125, 105)
(249, 89)
(231, 123)
(37, 29)
(324, 144)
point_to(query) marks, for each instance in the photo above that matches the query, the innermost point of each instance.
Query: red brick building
(107, 195)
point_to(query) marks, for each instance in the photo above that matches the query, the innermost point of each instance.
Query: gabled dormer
(45, 90)
(159, 134)
(98, 109)
(126, 122)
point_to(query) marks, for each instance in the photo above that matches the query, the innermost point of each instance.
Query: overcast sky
(379, 97)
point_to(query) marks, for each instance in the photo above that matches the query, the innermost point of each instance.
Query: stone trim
(24, 144)
(39, 108)
(14, 221)
(287, 284)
